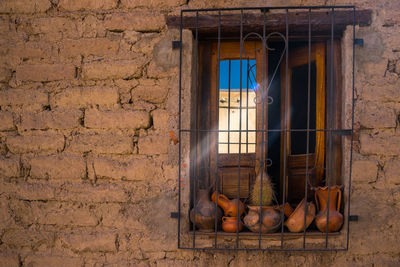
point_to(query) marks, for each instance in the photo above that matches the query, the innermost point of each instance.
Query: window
(266, 95)
(241, 100)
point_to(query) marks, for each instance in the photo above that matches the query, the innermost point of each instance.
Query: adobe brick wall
(88, 173)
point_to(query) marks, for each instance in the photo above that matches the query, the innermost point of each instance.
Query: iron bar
(180, 133)
(232, 108)
(272, 249)
(217, 137)
(247, 107)
(235, 143)
(240, 126)
(308, 124)
(352, 130)
(266, 130)
(273, 7)
(328, 175)
(195, 123)
(229, 105)
(285, 123)
(264, 48)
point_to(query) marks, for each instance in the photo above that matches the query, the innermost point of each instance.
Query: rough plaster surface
(88, 173)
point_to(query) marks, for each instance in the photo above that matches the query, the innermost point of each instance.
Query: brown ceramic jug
(270, 219)
(335, 217)
(204, 212)
(230, 207)
(229, 224)
(295, 222)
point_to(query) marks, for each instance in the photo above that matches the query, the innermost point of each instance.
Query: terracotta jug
(230, 207)
(335, 217)
(295, 222)
(270, 219)
(229, 224)
(204, 212)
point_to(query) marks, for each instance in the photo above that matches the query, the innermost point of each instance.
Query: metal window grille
(236, 23)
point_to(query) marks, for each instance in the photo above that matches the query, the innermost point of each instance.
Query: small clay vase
(229, 224)
(295, 222)
(270, 219)
(230, 207)
(204, 212)
(335, 217)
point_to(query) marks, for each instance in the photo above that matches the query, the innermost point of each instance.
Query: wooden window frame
(317, 55)
(231, 50)
(208, 58)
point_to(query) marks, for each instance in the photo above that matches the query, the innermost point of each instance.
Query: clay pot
(229, 224)
(335, 217)
(270, 219)
(230, 207)
(204, 212)
(295, 222)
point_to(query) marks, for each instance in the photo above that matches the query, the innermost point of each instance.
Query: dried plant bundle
(267, 191)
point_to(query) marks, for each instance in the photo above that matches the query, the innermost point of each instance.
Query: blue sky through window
(235, 74)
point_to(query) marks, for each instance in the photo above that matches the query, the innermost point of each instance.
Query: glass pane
(237, 107)
(233, 149)
(243, 148)
(223, 125)
(244, 135)
(223, 148)
(251, 148)
(234, 137)
(299, 106)
(252, 137)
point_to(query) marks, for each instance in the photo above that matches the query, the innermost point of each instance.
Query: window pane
(252, 148)
(237, 107)
(299, 105)
(243, 148)
(234, 137)
(252, 137)
(223, 125)
(234, 149)
(223, 148)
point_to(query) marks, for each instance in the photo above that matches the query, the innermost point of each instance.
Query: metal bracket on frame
(176, 44)
(359, 42)
(346, 132)
(353, 218)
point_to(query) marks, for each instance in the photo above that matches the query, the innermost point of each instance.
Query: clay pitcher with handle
(230, 207)
(335, 217)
